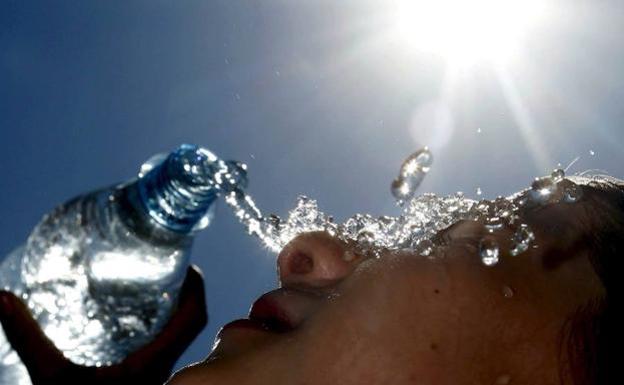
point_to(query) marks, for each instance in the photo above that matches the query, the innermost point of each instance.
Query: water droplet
(493, 223)
(521, 239)
(557, 175)
(514, 219)
(235, 176)
(479, 192)
(422, 159)
(483, 207)
(237, 96)
(503, 380)
(572, 193)
(508, 291)
(425, 247)
(542, 190)
(479, 130)
(400, 189)
(366, 239)
(592, 153)
(489, 251)
(333, 296)
(348, 256)
(411, 174)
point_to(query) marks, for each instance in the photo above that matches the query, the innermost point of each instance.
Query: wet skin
(408, 319)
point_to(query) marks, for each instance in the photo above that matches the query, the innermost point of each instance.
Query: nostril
(300, 263)
(314, 260)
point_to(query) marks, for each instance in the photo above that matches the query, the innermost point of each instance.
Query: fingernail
(6, 305)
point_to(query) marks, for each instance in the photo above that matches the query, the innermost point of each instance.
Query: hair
(591, 332)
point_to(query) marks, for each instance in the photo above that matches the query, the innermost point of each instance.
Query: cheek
(378, 331)
(347, 348)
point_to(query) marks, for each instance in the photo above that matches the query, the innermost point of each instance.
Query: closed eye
(463, 230)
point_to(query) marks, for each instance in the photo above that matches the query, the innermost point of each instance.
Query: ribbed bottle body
(99, 277)
(101, 273)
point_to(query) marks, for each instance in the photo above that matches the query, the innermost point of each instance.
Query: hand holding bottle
(151, 364)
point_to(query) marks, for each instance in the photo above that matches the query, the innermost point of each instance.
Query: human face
(341, 318)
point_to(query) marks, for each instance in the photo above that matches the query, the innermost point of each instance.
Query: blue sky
(306, 93)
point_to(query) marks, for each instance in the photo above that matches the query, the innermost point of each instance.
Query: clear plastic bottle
(101, 273)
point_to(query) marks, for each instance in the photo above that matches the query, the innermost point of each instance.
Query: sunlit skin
(408, 319)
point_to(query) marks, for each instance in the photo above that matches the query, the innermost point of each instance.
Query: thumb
(36, 350)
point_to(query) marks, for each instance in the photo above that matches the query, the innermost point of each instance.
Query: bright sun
(466, 31)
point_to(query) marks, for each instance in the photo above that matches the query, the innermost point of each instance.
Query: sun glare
(466, 31)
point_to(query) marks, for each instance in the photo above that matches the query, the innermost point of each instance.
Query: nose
(315, 260)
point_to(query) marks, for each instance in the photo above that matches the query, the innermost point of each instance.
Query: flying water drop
(411, 175)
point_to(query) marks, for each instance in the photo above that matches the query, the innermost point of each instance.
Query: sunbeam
(522, 116)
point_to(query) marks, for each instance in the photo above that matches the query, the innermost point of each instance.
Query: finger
(192, 294)
(186, 323)
(37, 352)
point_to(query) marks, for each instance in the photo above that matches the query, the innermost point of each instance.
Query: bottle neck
(174, 196)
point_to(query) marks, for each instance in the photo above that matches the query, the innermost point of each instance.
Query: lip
(244, 324)
(275, 313)
(237, 337)
(285, 309)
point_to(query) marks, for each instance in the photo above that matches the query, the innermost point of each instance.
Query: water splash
(422, 216)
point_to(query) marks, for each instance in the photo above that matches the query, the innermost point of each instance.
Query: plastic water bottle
(101, 273)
